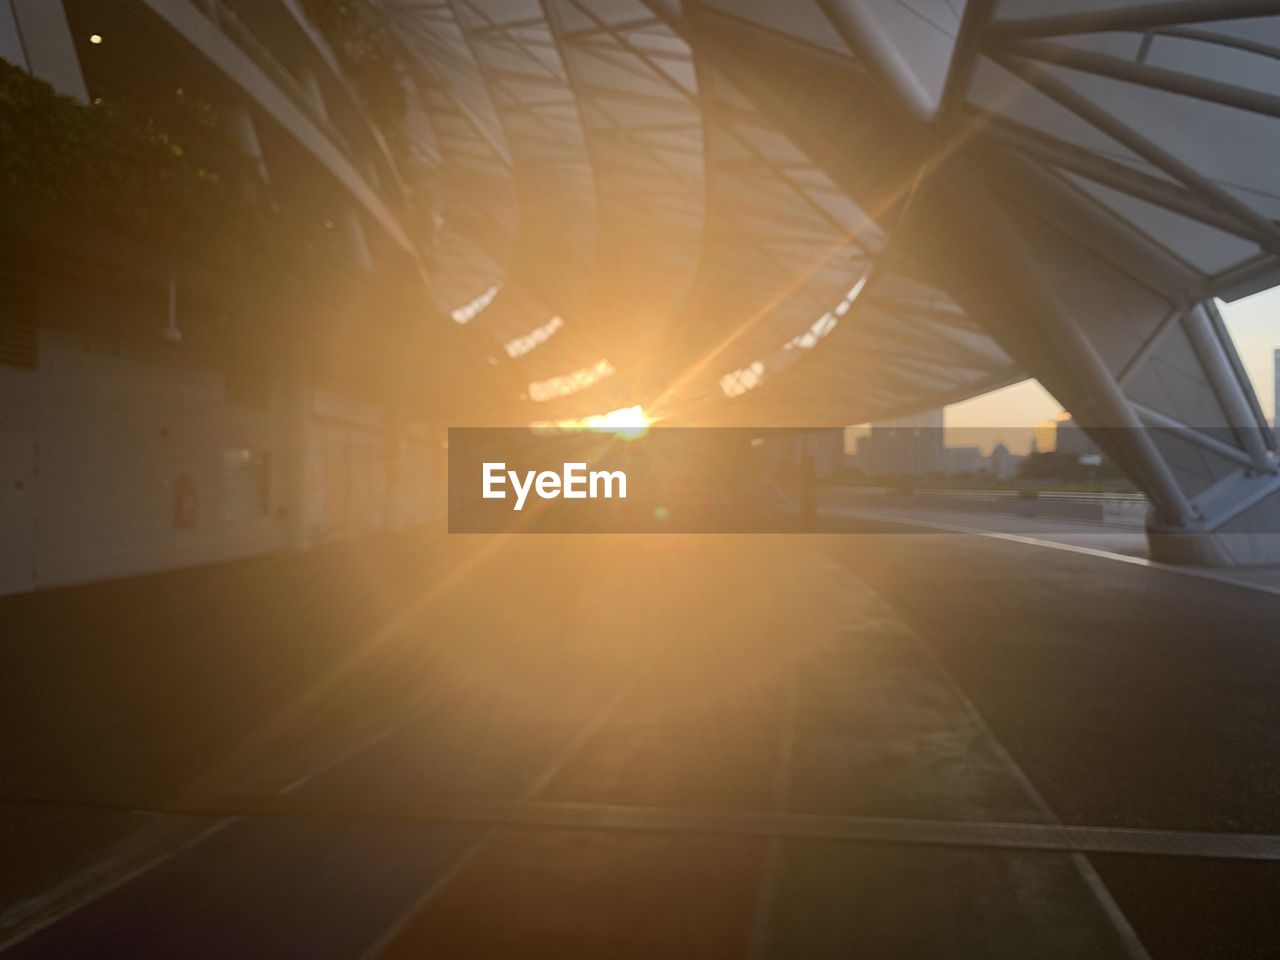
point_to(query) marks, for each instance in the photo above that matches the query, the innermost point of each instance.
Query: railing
(1120, 509)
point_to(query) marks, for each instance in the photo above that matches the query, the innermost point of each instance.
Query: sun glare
(626, 422)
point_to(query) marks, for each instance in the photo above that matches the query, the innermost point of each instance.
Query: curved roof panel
(751, 207)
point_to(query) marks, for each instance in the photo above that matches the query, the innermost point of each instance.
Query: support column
(1108, 408)
(357, 239)
(1153, 378)
(1233, 392)
(858, 27)
(311, 84)
(238, 124)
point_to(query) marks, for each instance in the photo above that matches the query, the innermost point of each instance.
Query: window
(19, 331)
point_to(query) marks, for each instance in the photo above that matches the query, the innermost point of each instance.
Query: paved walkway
(638, 747)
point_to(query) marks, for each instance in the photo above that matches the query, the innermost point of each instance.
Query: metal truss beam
(1231, 391)
(1108, 404)
(1219, 39)
(858, 28)
(1157, 78)
(1137, 17)
(964, 58)
(1111, 173)
(1262, 230)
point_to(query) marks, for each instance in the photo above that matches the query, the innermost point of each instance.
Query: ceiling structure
(825, 211)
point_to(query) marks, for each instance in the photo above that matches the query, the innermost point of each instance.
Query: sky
(1011, 415)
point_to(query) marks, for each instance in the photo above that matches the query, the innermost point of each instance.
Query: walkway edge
(1197, 572)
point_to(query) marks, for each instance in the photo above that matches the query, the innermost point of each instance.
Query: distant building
(906, 447)
(1046, 437)
(963, 460)
(1003, 463)
(824, 447)
(1063, 435)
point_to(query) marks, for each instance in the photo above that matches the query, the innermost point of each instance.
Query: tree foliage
(163, 176)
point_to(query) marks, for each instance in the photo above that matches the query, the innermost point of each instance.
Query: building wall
(99, 441)
(121, 453)
(906, 447)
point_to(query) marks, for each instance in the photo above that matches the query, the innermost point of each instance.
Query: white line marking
(1034, 836)
(771, 872)
(96, 881)
(1197, 572)
(442, 881)
(348, 754)
(560, 761)
(1124, 929)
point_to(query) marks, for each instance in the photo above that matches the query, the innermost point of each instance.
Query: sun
(630, 423)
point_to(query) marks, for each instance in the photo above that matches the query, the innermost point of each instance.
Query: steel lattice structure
(826, 211)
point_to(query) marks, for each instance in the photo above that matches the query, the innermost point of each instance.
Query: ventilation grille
(245, 483)
(19, 332)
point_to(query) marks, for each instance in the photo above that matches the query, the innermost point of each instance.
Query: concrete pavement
(921, 677)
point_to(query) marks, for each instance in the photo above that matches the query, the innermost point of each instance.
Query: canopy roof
(745, 210)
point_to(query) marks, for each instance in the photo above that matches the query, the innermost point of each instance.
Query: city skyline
(1011, 415)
